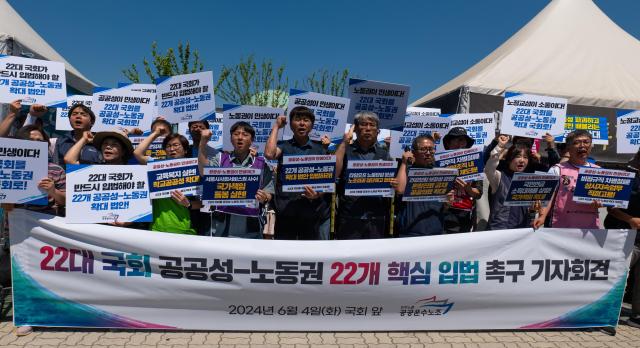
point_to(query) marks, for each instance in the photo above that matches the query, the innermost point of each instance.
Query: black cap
(457, 132)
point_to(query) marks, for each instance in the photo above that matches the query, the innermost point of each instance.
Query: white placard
(122, 108)
(261, 118)
(33, 81)
(330, 112)
(532, 116)
(186, 98)
(628, 131)
(480, 127)
(387, 100)
(23, 163)
(418, 121)
(107, 193)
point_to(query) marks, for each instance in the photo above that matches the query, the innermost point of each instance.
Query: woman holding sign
(169, 214)
(424, 218)
(517, 158)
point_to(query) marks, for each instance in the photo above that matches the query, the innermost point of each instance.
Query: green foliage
(326, 82)
(249, 82)
(167, 64)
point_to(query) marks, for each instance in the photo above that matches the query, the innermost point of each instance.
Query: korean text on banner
(610, 187)
(315, 171)
(387, 100)
(216, 128)
(370, 178)
(596, 125)
(105, 276)
(532, 116)
(23, 163)
(186, 98)
(418, 121)
(468, 162)
(122, 108)
(107, 193)
(230, 186)
(330, 112)
(175, 174)
(33, 81)
(527, 188)
(429, 184)
(261, 118)
(480, 127)
(628, 131)
(154, 150)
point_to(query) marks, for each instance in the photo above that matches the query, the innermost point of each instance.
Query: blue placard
(230, 186)
(596, 125)
(610, 187)
(315, 171)
(527, 188)
(174, 174)
(429, 184)
(469, 163)
(370, 178)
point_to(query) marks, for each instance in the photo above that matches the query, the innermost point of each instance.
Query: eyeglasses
(425, 150)
(173, 146)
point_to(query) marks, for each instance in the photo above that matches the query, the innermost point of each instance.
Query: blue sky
(419, 43)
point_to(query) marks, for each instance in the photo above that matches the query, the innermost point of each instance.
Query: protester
(298, 216)
(115, 148)
(417, 219)
(9, 121)
(518, 157)
(170, 214)
(460, 216)
(81, 119)
(361, 217)
(565, 213)
(231, 221)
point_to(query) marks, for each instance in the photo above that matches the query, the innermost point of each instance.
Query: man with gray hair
(361, 217)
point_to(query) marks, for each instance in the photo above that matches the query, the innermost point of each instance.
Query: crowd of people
(312, 215)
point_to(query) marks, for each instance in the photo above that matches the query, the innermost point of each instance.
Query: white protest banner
(418, 121)
(596, 125)
(315, 171)
(139, 87)
(122, 108)
(610, 187)
(110, 277)
(370, 178)
(532, 116)
(628, 131)
(480, 127)
(185, 98)
(261, 118)
(154, 150)
(230, 186)
(330, 111)
(429, 184)
(468, 162)
(216, 127)
(107, 193)
(175, 174)
(387, 100)
(23, 163)
(33, 81)
(62, 110)
(527, 188)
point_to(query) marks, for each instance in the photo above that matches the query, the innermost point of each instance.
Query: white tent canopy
(571, 49)
(19, 39)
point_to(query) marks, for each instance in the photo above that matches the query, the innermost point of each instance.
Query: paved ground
(626, 337)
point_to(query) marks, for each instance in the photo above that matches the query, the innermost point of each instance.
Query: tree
(249, 82)
(326, 82)
(167, 64)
